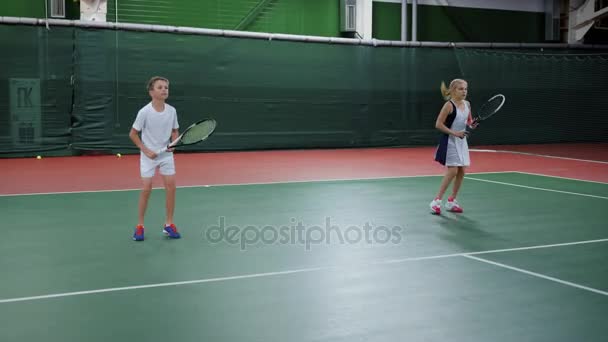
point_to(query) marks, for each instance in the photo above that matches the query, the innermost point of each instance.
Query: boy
(157, 122)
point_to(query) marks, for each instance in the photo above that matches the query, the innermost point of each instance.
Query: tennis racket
(194, 134)
(489, 108)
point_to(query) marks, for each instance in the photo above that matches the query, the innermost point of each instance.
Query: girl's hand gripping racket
(194, 134)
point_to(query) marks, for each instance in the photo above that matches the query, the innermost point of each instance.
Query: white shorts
(163, 161)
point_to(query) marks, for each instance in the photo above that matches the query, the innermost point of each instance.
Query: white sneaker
(453, 206)
(436, 207)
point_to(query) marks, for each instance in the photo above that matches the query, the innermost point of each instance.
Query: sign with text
(25, 110)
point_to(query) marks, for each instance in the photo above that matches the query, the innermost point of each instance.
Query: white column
(414, 20)
(364, 18)
(404, 20)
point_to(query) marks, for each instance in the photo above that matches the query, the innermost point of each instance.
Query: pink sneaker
(436, 207)
(453, 206)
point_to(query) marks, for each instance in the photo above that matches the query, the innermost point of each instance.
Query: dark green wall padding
(458, 24)
(277, 94)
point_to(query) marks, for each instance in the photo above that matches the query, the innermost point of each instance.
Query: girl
(453, 150)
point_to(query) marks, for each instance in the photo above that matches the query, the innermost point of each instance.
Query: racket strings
(490, 107)
(198, 132)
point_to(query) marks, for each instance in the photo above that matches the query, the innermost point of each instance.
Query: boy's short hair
(153, 80)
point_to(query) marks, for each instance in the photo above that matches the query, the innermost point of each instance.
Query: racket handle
(164, 149)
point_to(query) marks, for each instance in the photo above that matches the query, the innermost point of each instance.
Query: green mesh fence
(278, 94)
(552, 96)
(35, 90)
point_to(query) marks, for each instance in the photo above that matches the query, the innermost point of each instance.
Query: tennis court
(334, 258)
(305, 215)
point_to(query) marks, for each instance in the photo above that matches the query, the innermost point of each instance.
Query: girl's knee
(452, 171)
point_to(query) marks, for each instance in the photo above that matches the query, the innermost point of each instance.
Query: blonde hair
(447, 92)
(153, 80)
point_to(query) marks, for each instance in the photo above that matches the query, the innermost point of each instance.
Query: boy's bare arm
(174, 135)
(134, 135)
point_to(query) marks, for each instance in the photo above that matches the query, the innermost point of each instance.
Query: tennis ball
(118, 155)
(38, 157)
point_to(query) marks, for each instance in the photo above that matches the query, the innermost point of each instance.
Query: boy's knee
(169, 182)
(147, 188)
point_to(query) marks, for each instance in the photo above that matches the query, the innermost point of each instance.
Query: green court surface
(352, 260)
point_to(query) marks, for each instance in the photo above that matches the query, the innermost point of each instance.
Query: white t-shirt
(156, 127)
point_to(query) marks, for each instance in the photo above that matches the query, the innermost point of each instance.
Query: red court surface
(94, 173)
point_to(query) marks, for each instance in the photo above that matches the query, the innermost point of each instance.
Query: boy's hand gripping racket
(194, 134)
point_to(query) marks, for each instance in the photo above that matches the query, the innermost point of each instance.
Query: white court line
(302, 270)
(539, 155)
(493, 251)
(176, 283)
(246, 184)
(536, 188)
(564, 282)
(568, 178)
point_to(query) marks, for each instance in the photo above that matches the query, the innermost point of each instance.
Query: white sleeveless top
(458, 149)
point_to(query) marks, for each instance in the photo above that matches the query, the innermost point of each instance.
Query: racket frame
(479, 118)
(177, 141)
